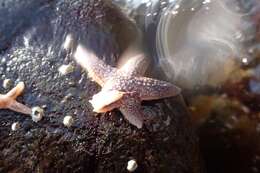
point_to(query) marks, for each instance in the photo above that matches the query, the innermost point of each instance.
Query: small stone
(72, 83)
(7, 83)
(37, 114)
(44, 106)
(15, 126)
(131, 165)
(68, 121)
(66, 98)
(66, 69)
(68, 43)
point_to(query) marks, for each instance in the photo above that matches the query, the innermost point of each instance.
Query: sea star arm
(106, 100)
(128, 103)
(153, 89)
(132, 111)
(135, 66)
(96, 68)
(8, 101)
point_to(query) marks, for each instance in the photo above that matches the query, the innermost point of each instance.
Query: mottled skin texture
(8, 101)
(123, 88)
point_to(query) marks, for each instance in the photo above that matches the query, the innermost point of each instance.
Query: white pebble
(68, 42)
(15, 126)
(245, 60)
(68, 121)
(37, 114)
(66, 69)
(131, 165)
(7, 83)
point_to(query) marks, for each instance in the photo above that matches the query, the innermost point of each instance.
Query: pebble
(15, 126)
(131, 165)
(66, 69)
(68, 43)
(68, 121)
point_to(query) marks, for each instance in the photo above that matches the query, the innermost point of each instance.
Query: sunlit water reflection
(201, 43)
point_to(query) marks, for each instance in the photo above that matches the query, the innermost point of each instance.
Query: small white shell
(66, 69)
(37, 114)
(68, 121)
(132, 165)
(15, 126)
(7, 83)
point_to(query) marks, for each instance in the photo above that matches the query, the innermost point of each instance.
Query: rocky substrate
(32, 50)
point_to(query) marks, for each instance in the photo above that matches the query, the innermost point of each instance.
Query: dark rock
(31, 46)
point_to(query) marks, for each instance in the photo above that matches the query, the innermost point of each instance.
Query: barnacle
(37, 114)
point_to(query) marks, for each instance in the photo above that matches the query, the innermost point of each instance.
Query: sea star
(8, 101)
(124, 87)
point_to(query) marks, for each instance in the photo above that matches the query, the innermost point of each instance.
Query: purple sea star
(8, 101)
(124, 87)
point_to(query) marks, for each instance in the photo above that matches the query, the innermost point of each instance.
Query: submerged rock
(32, 50)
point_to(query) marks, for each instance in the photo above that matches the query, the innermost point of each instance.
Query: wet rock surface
(31, 46)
